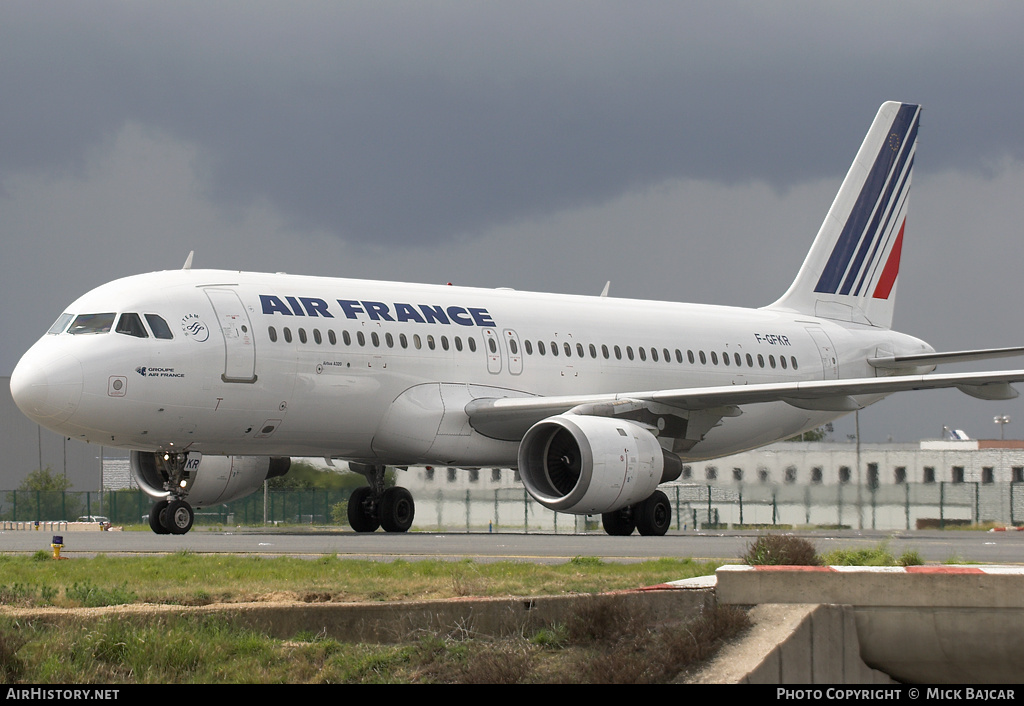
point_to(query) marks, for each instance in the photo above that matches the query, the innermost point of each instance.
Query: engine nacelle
(204, 480)
(588, 465)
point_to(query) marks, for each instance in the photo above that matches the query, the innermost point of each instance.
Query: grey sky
(683, 150)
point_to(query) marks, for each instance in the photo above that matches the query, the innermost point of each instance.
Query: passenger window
(604, 350)
(643, 353)
(317, 337)
(568, 349)
(346, 337)
(458, 344)
(376, 339)
(92, 323)
(792, 359)
(390, 340)
(444, 343)
(403, 341)
(131, 325)
(554, 348)
(527, 345)
(159, 326)
(272, 332)
(540, 348)
(629, 352)
(472, 344)
(302, 335)
(593, 351)
(287, 335)
(332, 337)
(360, 338)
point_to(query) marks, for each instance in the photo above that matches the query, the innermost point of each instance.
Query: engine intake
(204, 480)
(586, 465)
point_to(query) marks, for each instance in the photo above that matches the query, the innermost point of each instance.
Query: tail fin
(850, 272)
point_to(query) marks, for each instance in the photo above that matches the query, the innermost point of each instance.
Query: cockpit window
(131, 325)
(60, 324)
(159, 326)
(92, 323)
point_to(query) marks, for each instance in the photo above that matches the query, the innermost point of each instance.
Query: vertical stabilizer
(850, 272)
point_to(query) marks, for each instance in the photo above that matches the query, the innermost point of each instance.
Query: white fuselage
(275, 364)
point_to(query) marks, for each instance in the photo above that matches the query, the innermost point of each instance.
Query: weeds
(781, 549)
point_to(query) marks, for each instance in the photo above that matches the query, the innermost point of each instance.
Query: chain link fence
(895, 507)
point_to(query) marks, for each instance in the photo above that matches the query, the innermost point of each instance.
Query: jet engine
(586, 465)
(204, 480)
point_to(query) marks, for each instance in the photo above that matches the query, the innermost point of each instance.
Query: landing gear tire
(620, 523)
(155, 517)
(178, 517)
(397, 510)
(363, 513)
(653, 515)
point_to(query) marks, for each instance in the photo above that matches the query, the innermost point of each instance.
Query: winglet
(188, 260)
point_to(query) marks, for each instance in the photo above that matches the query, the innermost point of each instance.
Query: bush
(781, 550)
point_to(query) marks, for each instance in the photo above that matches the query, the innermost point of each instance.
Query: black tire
(397, 510)
(654, 515)
(620, 523)
(178, 517)
(155, 512)
(362, 511)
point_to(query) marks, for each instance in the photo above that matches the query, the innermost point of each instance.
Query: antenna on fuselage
(188, 260)
(607, 285)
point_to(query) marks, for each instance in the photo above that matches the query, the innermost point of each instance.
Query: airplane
(215, 379)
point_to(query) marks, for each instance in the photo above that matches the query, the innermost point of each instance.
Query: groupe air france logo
(194, 328)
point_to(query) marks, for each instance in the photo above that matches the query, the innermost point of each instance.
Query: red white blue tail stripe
(865, 259)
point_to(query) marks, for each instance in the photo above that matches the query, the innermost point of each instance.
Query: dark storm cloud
(413, 122)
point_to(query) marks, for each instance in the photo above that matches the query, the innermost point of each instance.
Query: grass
(601, 644)
(790, 550)
(191, 579)
(598, 641)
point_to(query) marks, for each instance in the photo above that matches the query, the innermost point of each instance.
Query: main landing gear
(373, 506)
(651, 516)
(171, 516)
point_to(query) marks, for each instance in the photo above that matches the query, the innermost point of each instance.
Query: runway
(718, 546)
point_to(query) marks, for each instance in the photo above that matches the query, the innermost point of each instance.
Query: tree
(818, 434)
(44, 479)
(43, 496)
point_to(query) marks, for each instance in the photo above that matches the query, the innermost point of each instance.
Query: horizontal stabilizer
(923, 359)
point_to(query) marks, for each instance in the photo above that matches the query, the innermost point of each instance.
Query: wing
(510, 417)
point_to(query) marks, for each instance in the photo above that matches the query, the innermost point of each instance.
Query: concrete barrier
(921, 624)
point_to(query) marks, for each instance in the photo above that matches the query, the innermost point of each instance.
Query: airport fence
(903, 506)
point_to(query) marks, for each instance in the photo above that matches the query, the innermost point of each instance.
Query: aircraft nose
(47, 389)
